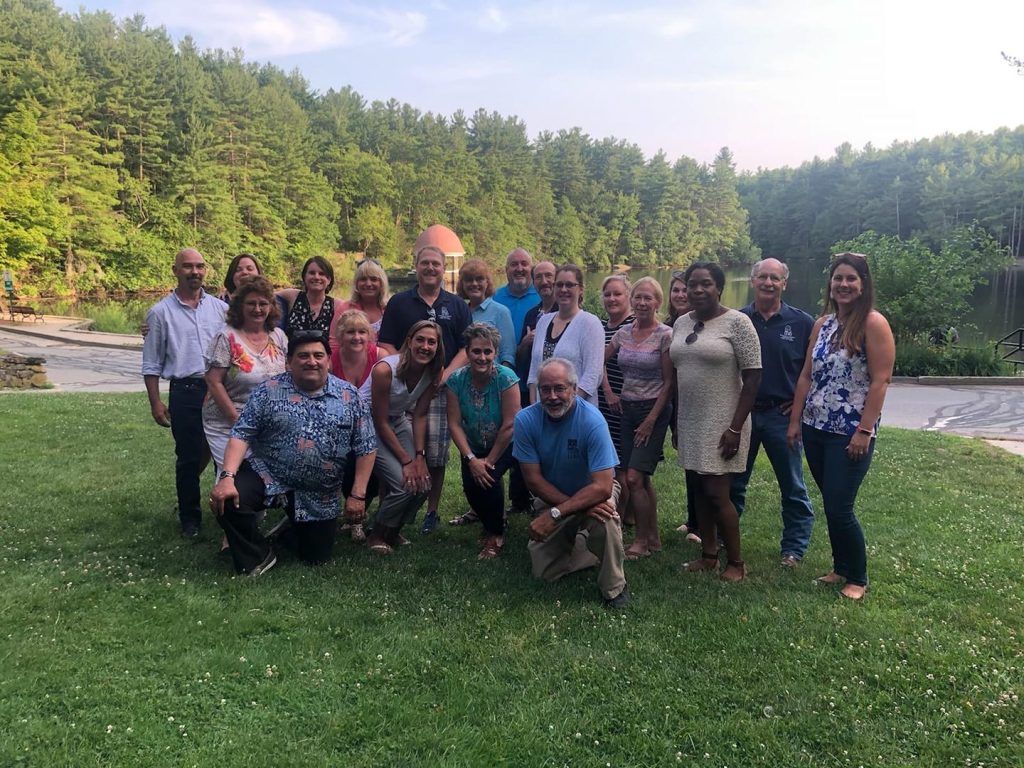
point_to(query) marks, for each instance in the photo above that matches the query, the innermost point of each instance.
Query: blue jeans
(769, 430)
(839, 478)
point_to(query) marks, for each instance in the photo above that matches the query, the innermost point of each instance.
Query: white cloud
(492, 19)
(263, 29)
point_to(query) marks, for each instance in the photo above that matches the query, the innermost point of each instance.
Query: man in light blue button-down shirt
(180, 329)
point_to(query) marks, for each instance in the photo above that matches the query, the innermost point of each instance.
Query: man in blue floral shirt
(300, 427)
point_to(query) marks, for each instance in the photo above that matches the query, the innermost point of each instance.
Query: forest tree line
(118, 147)
(923, 189)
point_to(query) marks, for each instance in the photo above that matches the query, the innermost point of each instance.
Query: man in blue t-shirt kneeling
(568, 460)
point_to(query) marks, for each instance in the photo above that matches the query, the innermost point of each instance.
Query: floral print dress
(247, 369)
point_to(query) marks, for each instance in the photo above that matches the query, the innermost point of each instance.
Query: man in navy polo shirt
(784, 332)
(518, 295)
(429, 301)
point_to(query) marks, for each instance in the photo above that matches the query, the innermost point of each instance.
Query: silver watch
(556, 513)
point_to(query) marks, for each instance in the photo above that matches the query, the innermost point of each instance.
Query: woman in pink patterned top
(648, 377)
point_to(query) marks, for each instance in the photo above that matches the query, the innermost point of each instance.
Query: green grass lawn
(123, 645)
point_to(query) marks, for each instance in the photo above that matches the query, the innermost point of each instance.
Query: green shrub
(112, 318)
(918, 359)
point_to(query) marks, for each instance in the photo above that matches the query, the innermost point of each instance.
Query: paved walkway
(81, 361)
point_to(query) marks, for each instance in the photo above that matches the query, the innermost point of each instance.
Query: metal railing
(1014, 341)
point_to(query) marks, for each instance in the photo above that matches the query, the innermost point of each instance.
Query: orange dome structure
(441, 237)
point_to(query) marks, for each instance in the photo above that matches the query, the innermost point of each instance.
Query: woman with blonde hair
(837, 407)
(353, 355)
(648, 378)
(370, 292)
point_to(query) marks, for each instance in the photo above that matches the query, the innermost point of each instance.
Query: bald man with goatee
(180, 329)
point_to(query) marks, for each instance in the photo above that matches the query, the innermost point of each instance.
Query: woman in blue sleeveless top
(836, 409)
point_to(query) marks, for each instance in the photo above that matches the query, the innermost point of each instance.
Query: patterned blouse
(300, 442)
(301, 317)
(640, 362)
(481, 408)
(839, 384)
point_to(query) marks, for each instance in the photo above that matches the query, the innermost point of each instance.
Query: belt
(767, 405)
(189, 382)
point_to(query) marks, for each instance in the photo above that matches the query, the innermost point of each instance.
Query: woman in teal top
(482, 406)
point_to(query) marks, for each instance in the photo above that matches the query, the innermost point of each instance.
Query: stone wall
(20, 372)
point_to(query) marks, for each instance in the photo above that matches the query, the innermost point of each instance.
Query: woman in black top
(311, 309)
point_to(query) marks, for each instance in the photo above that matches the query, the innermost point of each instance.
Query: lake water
(997, 308)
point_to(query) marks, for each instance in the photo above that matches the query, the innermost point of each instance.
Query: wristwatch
(556, 513)
(469, 456)
(224, 473)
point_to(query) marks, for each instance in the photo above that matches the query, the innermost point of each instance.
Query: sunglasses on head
(300, 337)
(697, 328)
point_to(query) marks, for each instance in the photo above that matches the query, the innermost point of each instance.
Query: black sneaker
(621, 600)
(190, 530)
(268, 562)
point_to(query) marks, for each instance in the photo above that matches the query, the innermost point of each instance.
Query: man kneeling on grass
(297, 430)
(568, 461)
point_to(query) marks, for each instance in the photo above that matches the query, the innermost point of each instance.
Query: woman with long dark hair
(398, 385)
(837, 407)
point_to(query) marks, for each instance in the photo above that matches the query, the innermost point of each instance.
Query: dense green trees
(118, 147)
(919, 288)
(920, 189)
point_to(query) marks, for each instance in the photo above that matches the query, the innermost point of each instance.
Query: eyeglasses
(696, 329)
(566, 286)
(557, 389)
(301, 337)
(256, 304)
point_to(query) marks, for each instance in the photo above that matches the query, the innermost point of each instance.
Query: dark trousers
(488, 503)
(185, 404)
(312, 540)
(348, 479)
(839, 478)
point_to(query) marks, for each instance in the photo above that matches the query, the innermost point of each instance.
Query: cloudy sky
(777, 81)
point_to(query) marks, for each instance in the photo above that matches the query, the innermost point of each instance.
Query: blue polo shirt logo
(444, 314)
(787, 334)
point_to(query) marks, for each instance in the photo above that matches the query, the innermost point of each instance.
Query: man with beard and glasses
(180, 328)
(568, 461)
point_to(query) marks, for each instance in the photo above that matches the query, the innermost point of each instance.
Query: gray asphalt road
(976, 411)
(76, 368)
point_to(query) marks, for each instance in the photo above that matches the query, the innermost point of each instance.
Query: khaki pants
(581, 542)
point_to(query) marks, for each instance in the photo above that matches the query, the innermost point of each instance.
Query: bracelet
(864, 431)
(735, 431)
(357, 498)
(407, 463)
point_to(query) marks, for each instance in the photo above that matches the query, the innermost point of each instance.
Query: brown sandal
(708, 561)
(492, 548)
(726, 575)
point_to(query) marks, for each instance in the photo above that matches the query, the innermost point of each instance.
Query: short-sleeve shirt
(405, 309)
(518, 306)
(640, 361)
(481, 408)
(569, 450)
(784, 337)
(301, 442)
(491, 312)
